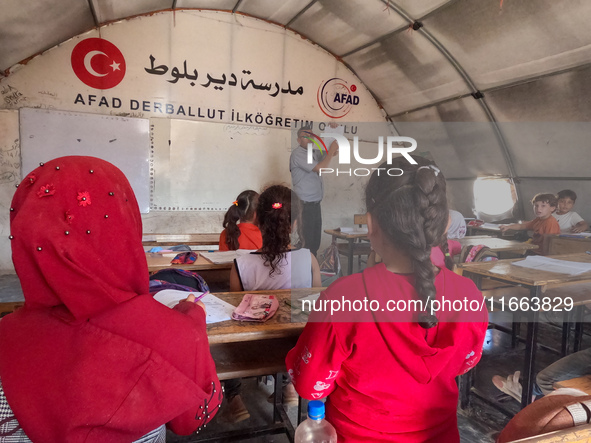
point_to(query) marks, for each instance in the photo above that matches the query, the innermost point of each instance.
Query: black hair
(567, 193)
(411, 209)
(546, 198)
(278, 208)
(242, 209)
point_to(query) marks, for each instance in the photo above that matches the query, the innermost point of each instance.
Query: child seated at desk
(276, 265)
(246, 234)
(568, 220)
(457, 225)
(92, 356)
(544, 205)
(389, 375)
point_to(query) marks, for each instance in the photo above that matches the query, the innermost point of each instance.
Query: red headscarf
(91, 356)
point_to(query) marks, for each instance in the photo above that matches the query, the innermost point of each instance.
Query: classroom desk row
(210, 239)
(530, 284)
(499, 245)
(211, 272)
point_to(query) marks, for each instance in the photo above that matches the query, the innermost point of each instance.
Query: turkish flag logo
(98, 63)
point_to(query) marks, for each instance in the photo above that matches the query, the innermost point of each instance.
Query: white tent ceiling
(460, 47)
(488, 61)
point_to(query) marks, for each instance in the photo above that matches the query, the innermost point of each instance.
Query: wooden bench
(251, 359)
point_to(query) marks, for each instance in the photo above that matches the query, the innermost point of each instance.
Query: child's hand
(191, 298)
(576, 229)
(504, 228)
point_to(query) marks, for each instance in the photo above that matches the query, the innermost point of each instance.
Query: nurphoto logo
(394, 145)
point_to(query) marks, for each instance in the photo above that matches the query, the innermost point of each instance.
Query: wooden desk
(536, 282)
(351, 239)
(496, 232)
(181, 239)
(497, 244)
(558, 244)
(248, 349)
(281, 325)
(208, 270)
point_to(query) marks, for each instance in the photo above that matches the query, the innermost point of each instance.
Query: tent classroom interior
(187, 96)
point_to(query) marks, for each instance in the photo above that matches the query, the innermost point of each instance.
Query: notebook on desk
(222, 257)
(217, 310)
(353, 230)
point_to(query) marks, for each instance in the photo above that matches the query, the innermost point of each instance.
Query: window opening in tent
(494, 198)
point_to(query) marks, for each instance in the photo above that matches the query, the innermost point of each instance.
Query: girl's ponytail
(243, 209)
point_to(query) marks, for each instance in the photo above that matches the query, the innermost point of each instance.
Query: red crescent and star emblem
(98, 63)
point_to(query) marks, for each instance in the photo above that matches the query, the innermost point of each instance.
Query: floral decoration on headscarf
(68, 217)
(30, 179)
(45, 191)
(84, 199)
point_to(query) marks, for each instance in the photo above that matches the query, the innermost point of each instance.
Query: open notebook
(217, 309)
(221, 257)
(554, 265)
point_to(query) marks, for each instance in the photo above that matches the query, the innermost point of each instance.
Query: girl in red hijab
(92, 357)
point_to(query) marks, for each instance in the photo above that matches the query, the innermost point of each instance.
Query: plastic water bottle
(315, 429)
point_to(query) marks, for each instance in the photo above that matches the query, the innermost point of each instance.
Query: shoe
(509, 385)
(236, 411)
(290, 396)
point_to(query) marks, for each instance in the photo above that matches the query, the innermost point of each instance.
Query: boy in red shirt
(544, 223)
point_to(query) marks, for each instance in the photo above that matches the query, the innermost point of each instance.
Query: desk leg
(350, 257)
(530, 351)
(565, 343)
(465, 381)
(579, 314)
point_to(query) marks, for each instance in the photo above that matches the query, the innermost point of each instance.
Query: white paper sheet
(220, 257)
(355, 230)
(217, 309)
(554, 265)
(489, 226)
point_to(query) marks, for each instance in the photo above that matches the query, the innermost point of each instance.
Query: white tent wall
(269, 92)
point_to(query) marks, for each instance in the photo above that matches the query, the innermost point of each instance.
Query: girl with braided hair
(246, 234)
(383, 346)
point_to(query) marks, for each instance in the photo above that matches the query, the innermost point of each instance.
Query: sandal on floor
(509, 385)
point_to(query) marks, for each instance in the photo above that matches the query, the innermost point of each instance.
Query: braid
(412, 211)
(449, 263)
(232, 231)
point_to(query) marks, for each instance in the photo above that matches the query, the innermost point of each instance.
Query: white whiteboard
(125, 142)
(203, 166)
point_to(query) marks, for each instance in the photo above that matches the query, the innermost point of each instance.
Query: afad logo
(98, 63)
(336, 98)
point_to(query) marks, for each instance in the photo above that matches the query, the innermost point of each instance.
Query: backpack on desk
(329, 261)
(477, 253)
(180, 279)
